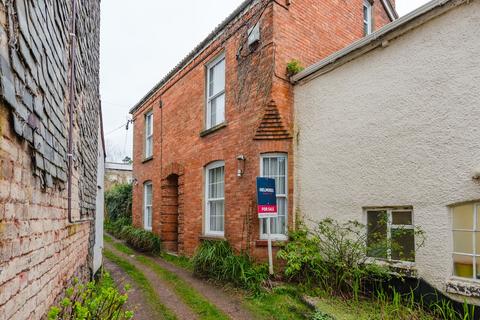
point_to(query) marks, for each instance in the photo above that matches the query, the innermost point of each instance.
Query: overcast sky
(144, 39)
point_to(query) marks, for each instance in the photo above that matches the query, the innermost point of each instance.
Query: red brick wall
(305, 30)
(39, 250)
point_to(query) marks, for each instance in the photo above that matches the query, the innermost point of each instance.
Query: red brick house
(224, 116)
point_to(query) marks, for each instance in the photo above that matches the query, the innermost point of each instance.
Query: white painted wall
(99, 213)
(397, 126)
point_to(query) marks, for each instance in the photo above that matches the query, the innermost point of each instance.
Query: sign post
(266, 209)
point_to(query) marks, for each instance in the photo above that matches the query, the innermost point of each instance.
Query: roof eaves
(314, 69)
(197, 50)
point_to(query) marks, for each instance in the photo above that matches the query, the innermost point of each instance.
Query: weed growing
(217, 260)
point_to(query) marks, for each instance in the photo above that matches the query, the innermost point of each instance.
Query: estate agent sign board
(267, 209)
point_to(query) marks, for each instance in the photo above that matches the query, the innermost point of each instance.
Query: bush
(115, 227)
(333, 257)
(94, 300)
(142, 240)
(216, 260)
(118, 202)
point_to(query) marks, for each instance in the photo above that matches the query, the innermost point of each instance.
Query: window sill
(147, 159)
(464, 287)
(212, 237)
(402, 268)
(275, 243)
(213, 129)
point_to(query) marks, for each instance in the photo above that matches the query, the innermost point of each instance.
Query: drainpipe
(71, 104)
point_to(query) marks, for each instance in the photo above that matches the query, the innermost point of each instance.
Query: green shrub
(118, 202)
(114, 227)
(332, 257)
(216, 260)
(94, 300)
(294, 67)
(142, 240)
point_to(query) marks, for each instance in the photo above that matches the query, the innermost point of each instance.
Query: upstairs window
(147, 206)
(148, 135)
(367, 17)
(391, 234)
(215, 114)
(215, 198)
(274, 165)
(466, 240)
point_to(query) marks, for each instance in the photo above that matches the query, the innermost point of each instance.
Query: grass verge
(198, 304)
(283, 303)
(141, 281)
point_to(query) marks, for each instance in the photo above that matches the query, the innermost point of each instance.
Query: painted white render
(100, 203)
(397, 126)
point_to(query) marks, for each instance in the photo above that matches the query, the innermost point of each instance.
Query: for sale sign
(266, 198)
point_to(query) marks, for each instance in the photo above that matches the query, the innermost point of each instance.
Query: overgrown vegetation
(294, 67)
(217, 260)
(118, 202)
(142, 240)
(115, 227)
(331, 261)
(332, 257)
(92, 301)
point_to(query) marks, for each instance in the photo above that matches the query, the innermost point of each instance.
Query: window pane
(463, 217)
(281, 183)
(213, 113)
(377, 234)
(463, 266)
(217, 78)
(477, 262)
(148, 194)
(403, 244)
(218, 110)
(477, 242)
(402, 217)
(463, 241)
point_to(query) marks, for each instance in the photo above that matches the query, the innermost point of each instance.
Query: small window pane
(463, 242)
(217, 78)
(377, 233)
(403, 244)
(463, 266)
(463, 217)
(402, 217)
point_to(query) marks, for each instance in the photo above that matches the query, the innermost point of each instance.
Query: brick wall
(257, 91)
(39, 250)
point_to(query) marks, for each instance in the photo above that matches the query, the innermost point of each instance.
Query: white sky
(144, 39)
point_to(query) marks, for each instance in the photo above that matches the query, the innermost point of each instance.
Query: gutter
(312, 70)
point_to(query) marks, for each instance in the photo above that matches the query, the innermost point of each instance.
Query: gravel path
(224, 301)
(136, 299)
(165, 294)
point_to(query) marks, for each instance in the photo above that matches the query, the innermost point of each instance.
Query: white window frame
(208, 232)
(147, 223)
(367, 20)
(208, 112)
(276, 236)
(474, 255)
(148, 153)
(391, 226)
